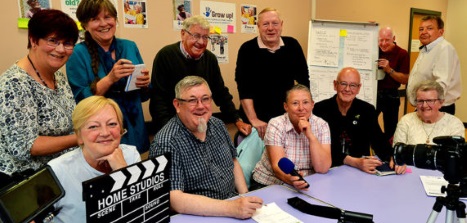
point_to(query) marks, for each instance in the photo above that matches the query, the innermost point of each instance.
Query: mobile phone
(23, 201)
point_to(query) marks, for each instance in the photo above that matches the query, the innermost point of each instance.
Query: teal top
(80, 76)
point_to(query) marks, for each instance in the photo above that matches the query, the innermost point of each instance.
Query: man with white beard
(204, 170)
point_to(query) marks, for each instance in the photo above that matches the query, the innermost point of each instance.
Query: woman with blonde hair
(98, 124)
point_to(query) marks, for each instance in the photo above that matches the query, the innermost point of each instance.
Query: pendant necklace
(37, 72)
(428, 135)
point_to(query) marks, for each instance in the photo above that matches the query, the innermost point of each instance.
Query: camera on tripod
(449, 156)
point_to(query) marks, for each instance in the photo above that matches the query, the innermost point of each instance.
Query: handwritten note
(357, 51)
(271, 213)
(325, 45)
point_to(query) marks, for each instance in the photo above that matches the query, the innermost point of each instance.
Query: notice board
(333, 45)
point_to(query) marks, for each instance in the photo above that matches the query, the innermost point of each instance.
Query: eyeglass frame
(429, 102)
(197, 36)
(53, 42)
(205, 100)
(344, 85)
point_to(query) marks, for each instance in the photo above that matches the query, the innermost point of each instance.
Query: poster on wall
(70, 6)
(27, 8)
(219, 14)
(248, 18)
(181, 10)
(220, 47)
(135, 14)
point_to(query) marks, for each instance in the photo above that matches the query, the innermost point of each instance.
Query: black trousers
(388, 103)
(451, 109)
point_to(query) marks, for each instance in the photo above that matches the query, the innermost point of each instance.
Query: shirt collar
(182, 48)
(430, 46)
(289, 126)
(272, 50)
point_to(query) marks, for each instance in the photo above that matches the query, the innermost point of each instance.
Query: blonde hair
(196, 20)
(89, 107)
(269, 9)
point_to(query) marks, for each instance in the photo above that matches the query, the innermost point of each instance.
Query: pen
(242, 195)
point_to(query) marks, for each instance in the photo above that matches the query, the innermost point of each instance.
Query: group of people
(84, 124)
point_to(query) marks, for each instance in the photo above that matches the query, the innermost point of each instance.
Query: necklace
(39, 75)
(428, 135)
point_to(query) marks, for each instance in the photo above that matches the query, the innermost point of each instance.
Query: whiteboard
(333, 45)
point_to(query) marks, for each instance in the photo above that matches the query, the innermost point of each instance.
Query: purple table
(395, 198)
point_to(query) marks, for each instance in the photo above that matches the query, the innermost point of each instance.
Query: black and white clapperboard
(137, 193)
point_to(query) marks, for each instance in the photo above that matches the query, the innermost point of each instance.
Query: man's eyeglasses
(198, 36)
(428, 101)
(194, 101)
(267, 24)
(54, 43)
(344, 85)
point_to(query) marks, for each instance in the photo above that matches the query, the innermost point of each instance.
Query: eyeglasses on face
(344, 85)
(54, 43)
(274, 24)
(198, 36)
(206, 100)
(428, 101)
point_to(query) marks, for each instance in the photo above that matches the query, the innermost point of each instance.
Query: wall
(457, 34)
(296, 14)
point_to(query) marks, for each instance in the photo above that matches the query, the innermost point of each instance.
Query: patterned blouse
(29, 110)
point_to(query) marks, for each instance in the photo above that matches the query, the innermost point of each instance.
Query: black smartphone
(384, 170)
(23, 201)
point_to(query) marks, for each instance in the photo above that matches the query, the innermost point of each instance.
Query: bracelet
(392, 71)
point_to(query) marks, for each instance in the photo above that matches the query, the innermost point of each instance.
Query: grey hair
(196, 20)
(187, 83)
(428, 85)
(298, 87)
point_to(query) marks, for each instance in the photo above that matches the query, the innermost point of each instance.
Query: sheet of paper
(130, 84)
(271, 213)
(433, 184)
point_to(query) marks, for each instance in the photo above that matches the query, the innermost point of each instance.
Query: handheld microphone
(289, 168)
(329, 212)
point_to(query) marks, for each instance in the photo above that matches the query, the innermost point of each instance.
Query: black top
(169, 67)
(359, 129)
(265, 77)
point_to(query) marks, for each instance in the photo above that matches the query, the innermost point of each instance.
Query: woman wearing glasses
(427, 122)
(102, 64)
(36, 101)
